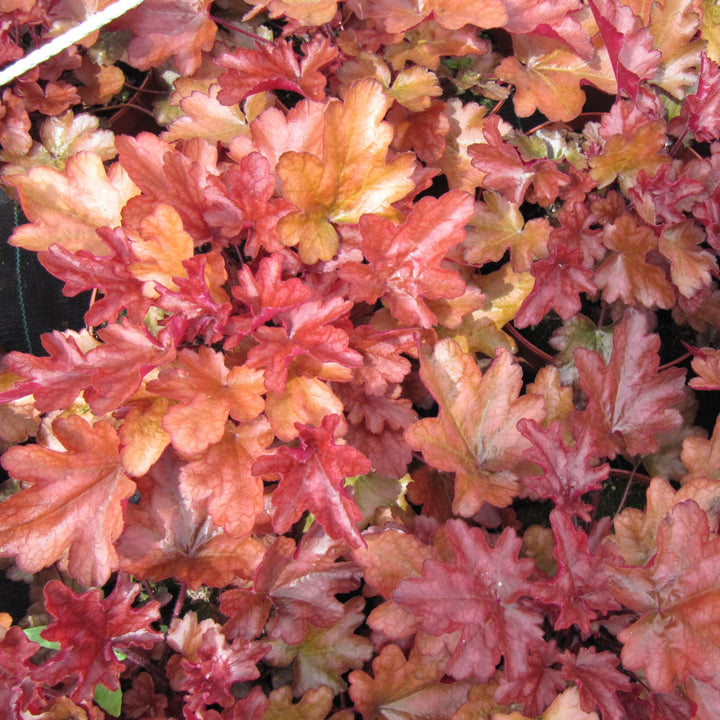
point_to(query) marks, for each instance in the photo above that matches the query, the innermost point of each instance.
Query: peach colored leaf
(701, 456)
(677, 596)
(626, 273)
(315, 704)
(306, 12)
(411, 689)
(167, 537)
(397, 16)
(207, 393)
(475, 433)
(673, 26)
(404, 263)
(71, 511)
(706, 364)
(203, 116)
(142, 437)
(222, 477)
(691, 267)
(161, 249)
(67, 207)
(635, 536)
(623, 158)
(305, 400)
(498, 226)
(164, 29)
(350, 179)
(312, 478)
(547, 76)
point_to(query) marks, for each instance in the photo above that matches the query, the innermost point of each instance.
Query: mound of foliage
(296, 465)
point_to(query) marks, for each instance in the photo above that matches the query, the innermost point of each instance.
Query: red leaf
(579, 589)
(57, 380)
(487, 583)
(266, 294)
(83, 270)
(211, 666)
(629, 42)
(17, 689)
(629, 402)
(559, 280)
(89, 629)
(569, 471)
(309, 340)
(299, 584)
(71, 510)
(677, 595)
(598, 680)
(311, 478)
(702, 107)
(274, 66)
(405, 262)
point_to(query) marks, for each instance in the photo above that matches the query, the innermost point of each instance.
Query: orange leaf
(474, 434)
(222, 477)
(351, 178)
(67, 207)
(626, 272)
(547, 76)
(163, 248)
(497, 226)
(623, 157)
(208, 392)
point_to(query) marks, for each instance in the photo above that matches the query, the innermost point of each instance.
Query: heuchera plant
(296, 465)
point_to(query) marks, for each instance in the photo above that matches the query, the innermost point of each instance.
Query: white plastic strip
(68, 38)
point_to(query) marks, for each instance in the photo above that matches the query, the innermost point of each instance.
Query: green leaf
(109, 700)
(33, 633)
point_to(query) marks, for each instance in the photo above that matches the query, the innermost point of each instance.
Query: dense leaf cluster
(295, 465)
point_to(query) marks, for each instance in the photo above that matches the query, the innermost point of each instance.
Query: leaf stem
(236, 28)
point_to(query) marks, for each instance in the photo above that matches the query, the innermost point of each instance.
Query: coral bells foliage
(301, 461)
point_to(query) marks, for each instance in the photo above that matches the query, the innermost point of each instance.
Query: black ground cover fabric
(31, 299)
